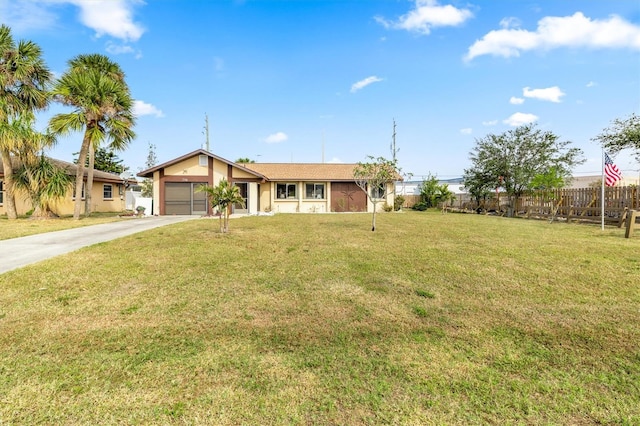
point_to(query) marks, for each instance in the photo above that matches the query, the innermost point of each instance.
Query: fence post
(623, 217)
(631, 223)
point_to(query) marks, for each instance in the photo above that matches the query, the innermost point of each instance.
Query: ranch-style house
(265, 187)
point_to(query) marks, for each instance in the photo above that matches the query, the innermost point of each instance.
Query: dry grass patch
(314, 319)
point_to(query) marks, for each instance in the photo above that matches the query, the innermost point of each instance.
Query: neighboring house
(596, 181)
(107, 193)
(265, 187)
(410, 190)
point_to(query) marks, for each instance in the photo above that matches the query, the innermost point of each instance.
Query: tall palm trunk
(84, 150)
(89, 185)
(9, 196)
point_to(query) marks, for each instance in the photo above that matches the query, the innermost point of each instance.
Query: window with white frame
(203, 160)
(286, 190)
(107, 191)
(377, 191)
(314, 190)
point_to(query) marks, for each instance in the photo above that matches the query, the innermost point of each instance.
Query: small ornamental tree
(222, 197)
(373, 178)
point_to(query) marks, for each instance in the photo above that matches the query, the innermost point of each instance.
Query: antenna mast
(206, 132)
(394, 151)
(323, 145)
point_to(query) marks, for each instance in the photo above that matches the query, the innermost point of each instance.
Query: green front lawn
(314, 319)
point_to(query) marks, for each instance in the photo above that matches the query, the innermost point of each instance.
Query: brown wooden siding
(347, 197)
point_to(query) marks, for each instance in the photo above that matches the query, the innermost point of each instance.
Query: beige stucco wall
(265, 197)
(239, 173)
(269, 201)
(188, 167)
(65, 206)
(380, 204)
(220, 171)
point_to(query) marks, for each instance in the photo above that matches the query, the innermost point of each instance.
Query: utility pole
(394, 151)
(206, 132)
(323, 146)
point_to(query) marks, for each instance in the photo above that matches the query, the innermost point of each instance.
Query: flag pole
(602, 192)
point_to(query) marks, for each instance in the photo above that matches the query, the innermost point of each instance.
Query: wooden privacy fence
(584, 204)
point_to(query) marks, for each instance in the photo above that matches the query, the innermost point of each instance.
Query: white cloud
(276, 137)
(119, 49)
(141, 108)
(466, 131)
(363, 83)
(335, 160)
(116, 49)
(110, 17)
(591, 84)
(516, 101)
(426, 15)
(555, 32)
(22, 16)
(106, 17)
(490, 123)
(509, 22)
(520, 118)
(551, 94)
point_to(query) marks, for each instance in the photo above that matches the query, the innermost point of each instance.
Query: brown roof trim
(70, 168)
(149, 172)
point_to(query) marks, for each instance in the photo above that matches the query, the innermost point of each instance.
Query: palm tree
(95, 87)
(24, 77)
(44, 183)
(36, 176)
(222, 197)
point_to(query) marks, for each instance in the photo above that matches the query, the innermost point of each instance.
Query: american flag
(611, 172)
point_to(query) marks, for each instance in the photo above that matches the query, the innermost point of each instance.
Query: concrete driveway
(18, 252)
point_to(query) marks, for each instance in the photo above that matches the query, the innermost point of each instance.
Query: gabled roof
(71, 168)
(304, 171)
(149, 172)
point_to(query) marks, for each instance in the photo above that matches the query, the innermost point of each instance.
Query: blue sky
(308, 81)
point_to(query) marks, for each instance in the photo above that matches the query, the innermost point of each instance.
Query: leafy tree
(95, 87)
(623, 134)
(222, 197)
(546, 184)
(104, 160)
(512, 159)
(152, 160)
(444, 195)
(428, 191)
(24, 78)
(373, 178)
(479, 184)
(245, 160)
(432, 193)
